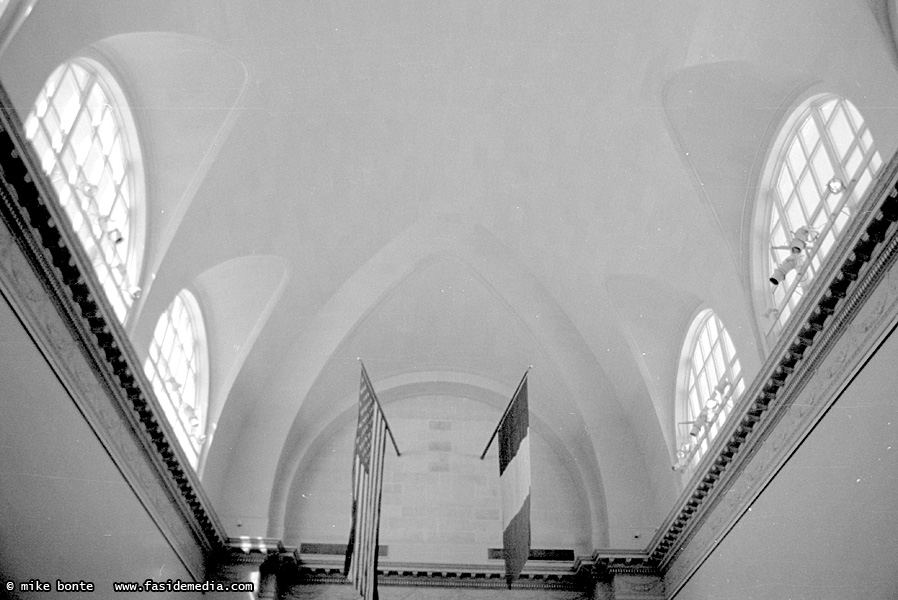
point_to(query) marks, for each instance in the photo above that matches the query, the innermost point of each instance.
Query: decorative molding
(605, 564)
(345, 592)
(253, 551)
(316, 570)
(851, 306)
(47, 279)
(317, 576)
(383, 550)
(553, 554)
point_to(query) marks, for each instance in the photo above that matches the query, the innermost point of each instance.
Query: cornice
(47, 278)
(317, 570)
(252, 552)
(851, 306)
(607, 563)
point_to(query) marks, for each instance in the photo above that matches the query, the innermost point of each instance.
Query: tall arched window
(710, 382)
(825, 162)
(86, 141)
(177, 367)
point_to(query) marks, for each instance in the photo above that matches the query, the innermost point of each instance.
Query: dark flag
(514, 479)
(367, 479)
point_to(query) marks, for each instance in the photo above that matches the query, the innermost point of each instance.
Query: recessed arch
(475, 393)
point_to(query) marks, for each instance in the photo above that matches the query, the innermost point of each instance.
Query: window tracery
(86, 142)
(710, 384)
(825, 165)
(177, 369)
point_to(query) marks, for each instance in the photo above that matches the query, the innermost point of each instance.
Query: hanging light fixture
(700, 421)
(722, 385)
(835, 186)
(190, 413)
(800, 239)
(173, 384)
(789, 263)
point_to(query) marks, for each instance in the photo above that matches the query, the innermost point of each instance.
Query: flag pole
(505, 414)
(379, 407)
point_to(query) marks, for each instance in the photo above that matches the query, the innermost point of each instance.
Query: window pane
(823, 168)
(796, 159)
(867, 139)
(784, 185)
(809, 134)
(67, 101)
(841, 133)
(856, 120)
(780, 237)
(795, 214)
(826, 109)
(853, 162)
(863, 183)
(810, 198)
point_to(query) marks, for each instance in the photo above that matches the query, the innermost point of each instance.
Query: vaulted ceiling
(455, 192)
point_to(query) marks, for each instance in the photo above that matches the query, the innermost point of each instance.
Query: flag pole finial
(507, 409)
(379, 407)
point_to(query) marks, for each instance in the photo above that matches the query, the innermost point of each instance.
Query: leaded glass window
(85, 139)
(710, 383)
(826, 164)
(177, 369)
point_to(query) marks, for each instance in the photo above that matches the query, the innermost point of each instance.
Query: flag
(367, 477)
(514, 480)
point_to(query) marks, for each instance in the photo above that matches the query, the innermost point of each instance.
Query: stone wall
(440, 501)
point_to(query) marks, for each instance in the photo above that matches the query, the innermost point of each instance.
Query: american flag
(367, 479)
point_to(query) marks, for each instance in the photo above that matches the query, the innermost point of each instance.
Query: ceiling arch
(321, 352)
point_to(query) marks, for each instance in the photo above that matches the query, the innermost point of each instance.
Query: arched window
(825, 163)
(177, 367)
(710, 382)
(86, 141)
